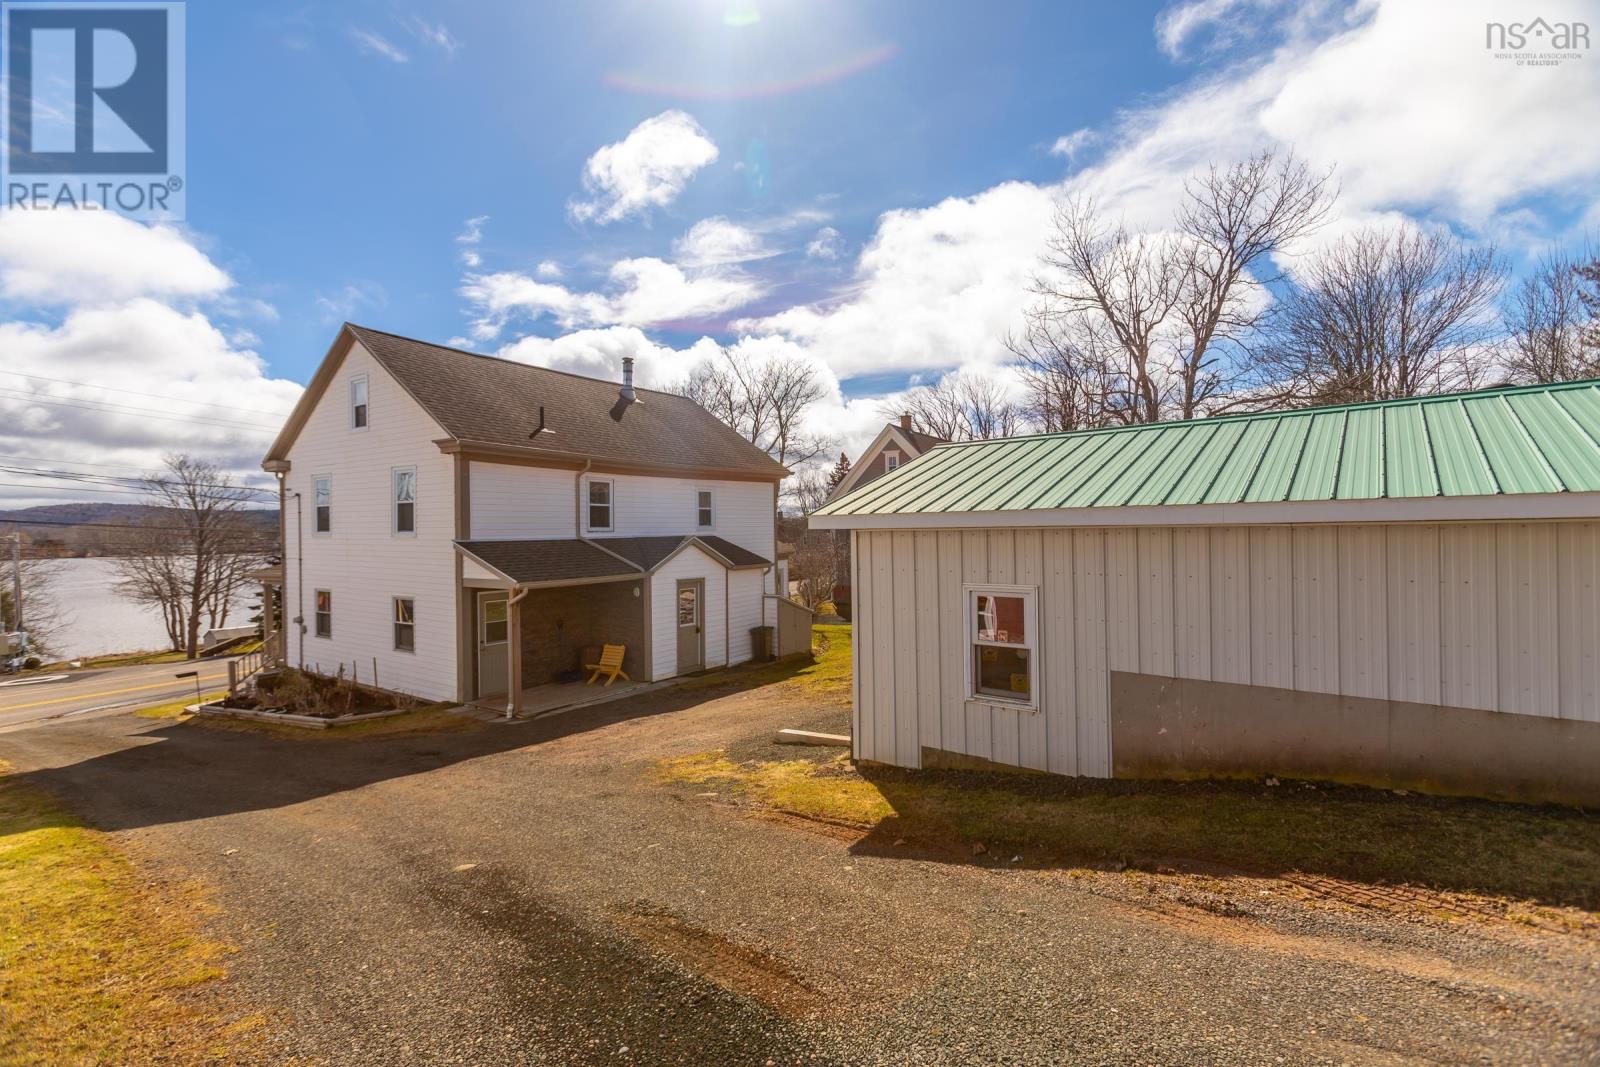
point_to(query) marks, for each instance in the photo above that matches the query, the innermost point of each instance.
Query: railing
(794, 627)
(243, 667)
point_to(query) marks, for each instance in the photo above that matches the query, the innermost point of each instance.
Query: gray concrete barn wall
(1498, 617)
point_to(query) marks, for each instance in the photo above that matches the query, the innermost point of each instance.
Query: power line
(127, 409)
(153, 396)
(117, 480)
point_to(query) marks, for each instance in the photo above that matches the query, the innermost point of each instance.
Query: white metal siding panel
(1004, 729)
(1272, 607)
(361, 562)
(864, 615)
(1526, 570)
(1093, 679)
(952, 642)
(1413, 622)
(1316, 609)
(1122, 598)
(1363, 612)
(1058, 669)
(1469, 618)
(974, 569)
(886, 678)
(904, 631)
(926, 574)
(688, 564)
(1191, 602)
(1032, 731)
(1154, 603)
(1230, 605)
(1578, 609)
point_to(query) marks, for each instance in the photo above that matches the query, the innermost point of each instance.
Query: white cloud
(469, 238)
(343, 305)
(548, 269)
(645, 170)
(378, 45)
(828, 243)
(717, 242)
(1225, 20)
(435, 34)
(82, 257)
(1070, 144)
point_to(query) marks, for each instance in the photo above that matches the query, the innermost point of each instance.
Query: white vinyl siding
(361, 562)
(1498, 616)
(688, 564)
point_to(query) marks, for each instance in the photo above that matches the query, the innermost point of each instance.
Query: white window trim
(891, 460)
(712, 493)
(1030, 625)
(314, 613)
(315, 478)
(351, 407)
(394, 502)
(611, 506)
(394, 621)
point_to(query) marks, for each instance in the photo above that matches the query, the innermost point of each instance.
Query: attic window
(891, 460)
(358, 402)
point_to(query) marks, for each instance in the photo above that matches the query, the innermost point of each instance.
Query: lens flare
(836, 72)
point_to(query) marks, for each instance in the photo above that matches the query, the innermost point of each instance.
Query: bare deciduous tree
(190, 559)
(965, 406)
(1549, 324)
(1135, 327)
(43, 618)
(765, 400)
(1384, 314)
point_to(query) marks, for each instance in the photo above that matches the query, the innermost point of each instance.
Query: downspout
(300, 574)
(577, 501)
(514, 663)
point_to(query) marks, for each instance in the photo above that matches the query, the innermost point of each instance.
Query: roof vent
(628, 395)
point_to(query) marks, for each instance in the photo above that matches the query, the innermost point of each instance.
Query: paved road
(91, 690)
(530, 894)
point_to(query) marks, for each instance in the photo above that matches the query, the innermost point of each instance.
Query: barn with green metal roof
(1402, 592)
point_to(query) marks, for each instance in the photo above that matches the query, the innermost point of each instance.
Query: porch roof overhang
(576, 561)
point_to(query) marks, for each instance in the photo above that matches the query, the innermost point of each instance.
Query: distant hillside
(95, 529)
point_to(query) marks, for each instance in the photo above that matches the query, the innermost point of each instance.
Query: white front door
(494, 631)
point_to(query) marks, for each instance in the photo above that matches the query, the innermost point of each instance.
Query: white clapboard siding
(689, 564)
(1503, 616)
(361, 562)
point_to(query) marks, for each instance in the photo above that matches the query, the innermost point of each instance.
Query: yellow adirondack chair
(610, 665)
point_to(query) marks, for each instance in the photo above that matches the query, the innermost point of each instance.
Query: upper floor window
(600, 504)
(405, 500)
(891, 460)
(322, 502)
(324, 613)
(705, 511)
(1001, 632)
(405, 624)
(358, 402)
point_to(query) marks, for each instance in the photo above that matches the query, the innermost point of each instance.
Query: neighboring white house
(462, 527)
(1402, 593)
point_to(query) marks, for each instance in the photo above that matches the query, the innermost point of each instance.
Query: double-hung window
(600, 505)
(705, 509)
(358, 402)
(322, 503)
(324, 613)
(405, 624)
(404, 492)
(1002, 633)
(891, 462)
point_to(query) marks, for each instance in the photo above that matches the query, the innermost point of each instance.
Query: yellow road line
(109, 693)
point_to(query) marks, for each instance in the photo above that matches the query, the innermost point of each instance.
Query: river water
(98, 621)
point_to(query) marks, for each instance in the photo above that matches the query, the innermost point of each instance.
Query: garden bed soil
(225, 709)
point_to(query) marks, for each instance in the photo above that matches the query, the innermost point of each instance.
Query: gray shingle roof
(496, 401)
(572, 560)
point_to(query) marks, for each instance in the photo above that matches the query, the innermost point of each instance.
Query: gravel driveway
(530, 894)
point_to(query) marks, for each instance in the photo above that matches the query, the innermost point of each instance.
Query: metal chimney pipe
(627, 380)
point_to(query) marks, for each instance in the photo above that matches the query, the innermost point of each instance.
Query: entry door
(494, 631)
(691, 632)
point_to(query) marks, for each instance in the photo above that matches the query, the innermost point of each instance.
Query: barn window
(1002, 632)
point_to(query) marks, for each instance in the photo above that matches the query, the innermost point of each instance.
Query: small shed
(1396, 593)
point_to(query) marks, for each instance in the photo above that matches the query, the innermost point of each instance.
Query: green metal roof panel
(1529, 439)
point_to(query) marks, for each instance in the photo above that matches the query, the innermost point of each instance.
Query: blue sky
(865, 186)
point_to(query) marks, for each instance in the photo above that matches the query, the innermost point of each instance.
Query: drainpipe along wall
(514, 656)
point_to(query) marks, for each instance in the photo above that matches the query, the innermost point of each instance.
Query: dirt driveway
(533, 894)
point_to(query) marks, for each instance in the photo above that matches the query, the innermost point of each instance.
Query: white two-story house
(463, 527)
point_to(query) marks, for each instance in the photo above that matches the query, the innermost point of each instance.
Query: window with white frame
(322, 503)
(324, 613)
(705, 509)
(358, 402)
(405, 624)
(405, 500)
(1002, 633)
(600, 504)
(891, 460)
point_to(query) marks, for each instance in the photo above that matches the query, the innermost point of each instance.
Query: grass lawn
(94, 966)
(1515, 853)
(826, 678)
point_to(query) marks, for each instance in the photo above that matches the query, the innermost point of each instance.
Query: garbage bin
(762, 639)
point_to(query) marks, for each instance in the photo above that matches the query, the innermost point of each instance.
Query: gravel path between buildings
(531, 894)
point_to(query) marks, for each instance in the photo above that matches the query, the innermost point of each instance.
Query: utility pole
(16, 580)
